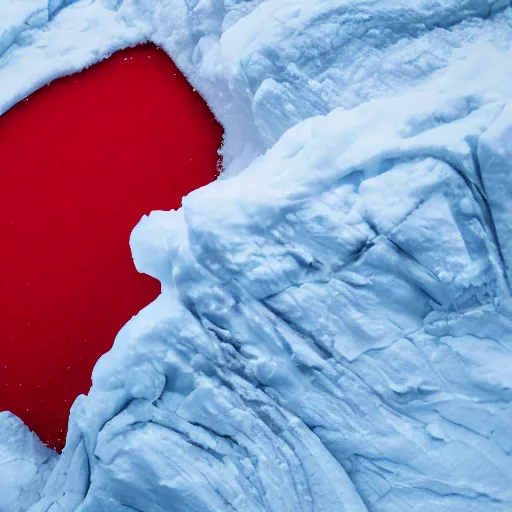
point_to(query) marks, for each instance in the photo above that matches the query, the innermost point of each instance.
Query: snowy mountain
(334, 330)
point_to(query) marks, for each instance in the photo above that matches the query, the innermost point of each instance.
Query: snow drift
(334, 329)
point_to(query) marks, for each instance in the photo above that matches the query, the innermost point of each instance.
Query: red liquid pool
(80, 162)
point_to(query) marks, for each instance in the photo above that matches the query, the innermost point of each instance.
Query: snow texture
(334, 329)
(25, 464)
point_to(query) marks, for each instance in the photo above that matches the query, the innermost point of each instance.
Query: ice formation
(334, 329)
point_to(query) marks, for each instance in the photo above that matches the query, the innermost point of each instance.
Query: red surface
(80, 161)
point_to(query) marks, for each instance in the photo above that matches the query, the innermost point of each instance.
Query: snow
(25, 464)
(334, 328)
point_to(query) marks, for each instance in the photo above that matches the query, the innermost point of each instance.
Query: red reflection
(80, 161)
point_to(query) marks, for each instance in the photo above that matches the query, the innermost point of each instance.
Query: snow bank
(333, 332)
(25, 464)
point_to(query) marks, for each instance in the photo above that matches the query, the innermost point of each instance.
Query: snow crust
(334, 329)
(25, 464)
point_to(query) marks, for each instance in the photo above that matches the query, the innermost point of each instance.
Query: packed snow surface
(334, 329)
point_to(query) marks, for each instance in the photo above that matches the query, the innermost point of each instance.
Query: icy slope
(334, 331)
(25, 464)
